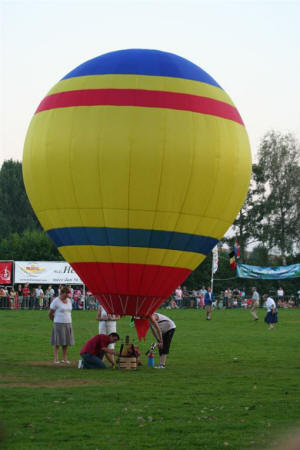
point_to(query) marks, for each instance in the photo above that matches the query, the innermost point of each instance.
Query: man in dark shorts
(163, 329)
(94, 350)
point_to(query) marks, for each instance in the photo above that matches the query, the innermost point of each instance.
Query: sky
(251, 48)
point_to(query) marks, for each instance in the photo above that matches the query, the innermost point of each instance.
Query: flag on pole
(236, 249)
(215, 260)
(232, 260)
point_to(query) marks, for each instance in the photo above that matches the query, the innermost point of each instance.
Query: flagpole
(212, 275)
(214, 265)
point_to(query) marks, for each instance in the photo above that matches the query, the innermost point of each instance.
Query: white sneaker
(160, 366)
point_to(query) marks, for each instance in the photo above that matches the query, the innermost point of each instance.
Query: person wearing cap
(94, 350)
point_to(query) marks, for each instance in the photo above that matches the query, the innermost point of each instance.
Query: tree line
(268, 222)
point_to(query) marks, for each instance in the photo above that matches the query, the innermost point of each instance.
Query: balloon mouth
(133, 305)
(141, 326)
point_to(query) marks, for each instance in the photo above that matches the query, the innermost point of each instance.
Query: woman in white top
(271, 316)
(62, 333)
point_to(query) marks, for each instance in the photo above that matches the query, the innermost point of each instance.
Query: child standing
(271, 317)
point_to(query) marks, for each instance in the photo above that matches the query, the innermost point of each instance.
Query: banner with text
(6, 272)
(268, 273)
(45, 272)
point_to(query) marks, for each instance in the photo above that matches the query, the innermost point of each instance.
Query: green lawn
(229, 383)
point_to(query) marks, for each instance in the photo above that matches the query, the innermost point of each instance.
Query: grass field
(205, 399)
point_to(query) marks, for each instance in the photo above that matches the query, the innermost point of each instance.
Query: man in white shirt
(163, 329)
(280, 294)
(107, 323)
(255, 303)
(39, 293)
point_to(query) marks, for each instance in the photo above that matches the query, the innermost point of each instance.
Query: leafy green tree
(200, 276)
(32, 245)
(259, 256)
(242, 226)
(279, 193)
(16, 214)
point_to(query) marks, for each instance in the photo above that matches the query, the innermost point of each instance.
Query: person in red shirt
(26, 296)
(94, 350)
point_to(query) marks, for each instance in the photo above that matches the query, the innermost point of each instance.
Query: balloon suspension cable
(150, 306)
(121, 303)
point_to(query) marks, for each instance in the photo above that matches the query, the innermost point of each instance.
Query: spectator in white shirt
(280, 294)
(62, 334)
(271, 317)
(255, 303)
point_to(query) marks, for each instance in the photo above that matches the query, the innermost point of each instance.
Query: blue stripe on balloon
(124, 237)
(142, 62)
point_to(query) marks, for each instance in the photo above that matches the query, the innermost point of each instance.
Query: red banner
(5, 273)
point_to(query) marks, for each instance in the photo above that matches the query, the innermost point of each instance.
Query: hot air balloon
(136, 163)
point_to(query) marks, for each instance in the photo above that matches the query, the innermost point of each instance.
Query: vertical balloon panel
(148, 164)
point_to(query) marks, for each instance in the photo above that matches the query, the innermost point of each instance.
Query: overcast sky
(251, 48)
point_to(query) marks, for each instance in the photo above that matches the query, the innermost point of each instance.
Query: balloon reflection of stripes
(136, 163)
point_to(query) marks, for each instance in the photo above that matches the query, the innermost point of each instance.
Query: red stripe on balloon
(133, 289)
(140, 97)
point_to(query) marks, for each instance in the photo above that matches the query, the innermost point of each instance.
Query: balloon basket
(128, 356)
(127, 363)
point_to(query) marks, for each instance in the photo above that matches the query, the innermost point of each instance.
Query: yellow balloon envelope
(136, 163)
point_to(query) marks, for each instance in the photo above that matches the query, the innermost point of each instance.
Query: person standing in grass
(271, 317)
(107, 323)
(255, 303)
(12, 298)
(20, 296)
(163, 329)
(62, 333)
(208, 300)
(26, 296)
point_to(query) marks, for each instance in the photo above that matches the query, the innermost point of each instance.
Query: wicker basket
(127, 363)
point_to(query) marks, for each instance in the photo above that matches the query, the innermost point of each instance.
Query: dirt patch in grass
(51, 364)
(52, 384)
(6, 382)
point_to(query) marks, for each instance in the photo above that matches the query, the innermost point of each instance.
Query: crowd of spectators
(230, 298)
(40, 297)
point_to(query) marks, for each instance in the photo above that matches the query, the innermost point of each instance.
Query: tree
(278, 184)
(259, 256)
(29, 246)
(16, 214)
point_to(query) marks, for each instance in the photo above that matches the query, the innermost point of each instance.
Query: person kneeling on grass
(94, 350)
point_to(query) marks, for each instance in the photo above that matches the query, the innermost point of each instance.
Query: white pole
(212, 275)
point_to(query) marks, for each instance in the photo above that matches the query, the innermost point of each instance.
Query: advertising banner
(6, 272)
(268, 273)
(45, 272)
